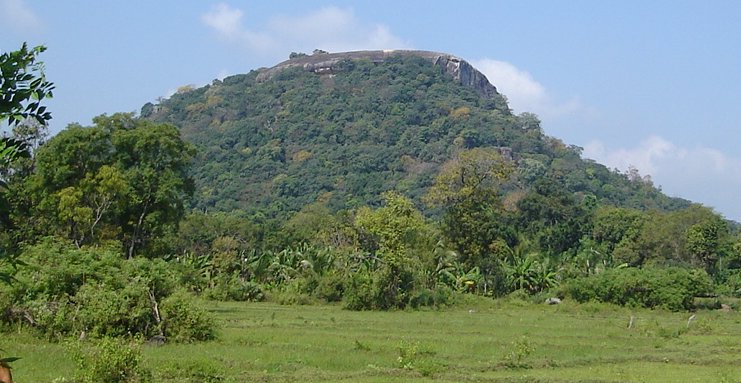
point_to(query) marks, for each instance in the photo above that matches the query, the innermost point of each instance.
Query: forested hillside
(273, 144)
(380, 180)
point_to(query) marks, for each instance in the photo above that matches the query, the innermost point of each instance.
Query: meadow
(479, 340)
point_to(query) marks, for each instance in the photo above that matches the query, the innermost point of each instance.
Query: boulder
(553, 301)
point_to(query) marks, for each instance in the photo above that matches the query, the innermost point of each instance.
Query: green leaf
(10, 359)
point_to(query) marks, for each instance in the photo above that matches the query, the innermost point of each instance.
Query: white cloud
(644, 157)
(329, 28)
(524, 93)
(701, 174)
(227, 22)
(17, 15)
(224, 19)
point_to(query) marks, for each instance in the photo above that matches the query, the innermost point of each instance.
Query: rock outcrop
(330, 63)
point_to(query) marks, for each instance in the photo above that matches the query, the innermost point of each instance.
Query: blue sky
(650, 84)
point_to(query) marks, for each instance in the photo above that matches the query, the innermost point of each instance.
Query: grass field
(481, 341)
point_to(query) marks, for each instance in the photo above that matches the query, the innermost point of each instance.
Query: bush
(331, 286)
(439, 296)
(730, 285)
(192, 371)
(360, 294)
(235, 289)
(50, 317)
(64, 291)
(671, 288)
(184, 321)
(383, 289)
(294, 292)
(111, 361)
(103, 311)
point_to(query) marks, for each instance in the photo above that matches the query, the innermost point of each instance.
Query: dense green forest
(382, 185)
(274, 146)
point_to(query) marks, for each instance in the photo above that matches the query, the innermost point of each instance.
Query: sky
(654, 85)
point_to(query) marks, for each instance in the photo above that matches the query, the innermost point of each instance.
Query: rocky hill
(325, 63)
(341, 128)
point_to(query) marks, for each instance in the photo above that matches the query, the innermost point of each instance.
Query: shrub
(730, 285)
(671, 288)
(293, 292)
(439, 296)
(331, 286)
(50, 317)
(103, 311)
(360, 293)
(518, 352)
(65, 291)
(184, 321)
(384, 289)
(235, 289)
(407, 354)
(111, 361)
(421, 298)
(193, 371)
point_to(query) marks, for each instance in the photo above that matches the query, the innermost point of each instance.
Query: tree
(474, 221)
(389, 233)
(23, 86)
(472, 173)
(613, 237)
(154, 160)
(391, 230)
(553, 215)
(123, 179)
(705, 242)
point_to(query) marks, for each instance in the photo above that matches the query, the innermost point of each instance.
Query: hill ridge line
(325, 63)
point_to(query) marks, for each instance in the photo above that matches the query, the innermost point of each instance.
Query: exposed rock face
(330, 63)
(553, 301)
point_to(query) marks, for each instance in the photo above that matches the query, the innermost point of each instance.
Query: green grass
(482, 341)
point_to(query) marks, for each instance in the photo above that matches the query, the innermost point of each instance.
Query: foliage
(110, 360)
(319, 343)
(671, 288)
(184, 320)
(390, 230)
(440, 296)
(23, 86)
(235, 289)
(519, 351)
(474, 220)
(407, 355)
(64, 291)
(386, 288)
(705, 242)
(530, 274)
(271, 147)
(472, 173)
(388, 234)
(554, 217)
(122, 179)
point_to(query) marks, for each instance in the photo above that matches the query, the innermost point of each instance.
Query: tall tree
(554, 215)
(706, 242)
(122, 178)
(474, 221)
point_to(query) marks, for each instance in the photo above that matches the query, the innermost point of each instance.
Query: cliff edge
(329, 63)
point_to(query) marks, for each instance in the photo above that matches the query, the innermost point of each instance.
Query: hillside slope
(342, 128)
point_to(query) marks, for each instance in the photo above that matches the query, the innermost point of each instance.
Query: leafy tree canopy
(271, 147)
(122, 179)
